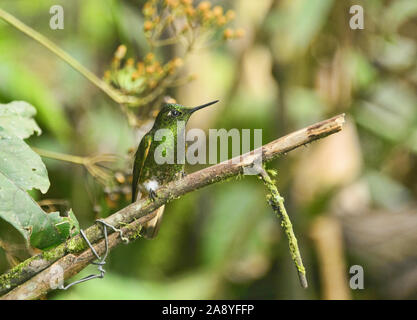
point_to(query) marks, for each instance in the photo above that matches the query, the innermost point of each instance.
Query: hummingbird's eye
(175, 113)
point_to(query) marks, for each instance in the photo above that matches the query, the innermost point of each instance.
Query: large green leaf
(21, 211)
(20, 164)
(22, 169)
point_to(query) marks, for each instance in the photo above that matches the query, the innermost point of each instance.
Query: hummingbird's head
(171, 113)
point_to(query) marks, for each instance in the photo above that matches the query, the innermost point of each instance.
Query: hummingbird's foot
(183, 174)
(152, 194)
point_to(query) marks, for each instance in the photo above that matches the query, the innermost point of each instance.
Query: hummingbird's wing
(150, 229)
(140, 158)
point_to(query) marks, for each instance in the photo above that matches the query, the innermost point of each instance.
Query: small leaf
(16, 118)
(54, 230)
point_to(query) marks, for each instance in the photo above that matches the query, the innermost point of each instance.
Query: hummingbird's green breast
(158, 159)
(161, 172)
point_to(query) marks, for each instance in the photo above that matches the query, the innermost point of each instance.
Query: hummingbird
(148, 174)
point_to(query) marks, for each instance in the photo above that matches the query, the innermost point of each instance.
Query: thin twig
(19, 25)
(91, 163)
(144, 207)
(60, 156)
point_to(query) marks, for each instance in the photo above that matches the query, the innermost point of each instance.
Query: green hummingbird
(148, 172)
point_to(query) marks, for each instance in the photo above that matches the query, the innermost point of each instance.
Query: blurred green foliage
(298, 63)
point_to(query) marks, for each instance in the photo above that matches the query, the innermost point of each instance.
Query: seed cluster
(168, 22)
(202, 15)
(141, 77)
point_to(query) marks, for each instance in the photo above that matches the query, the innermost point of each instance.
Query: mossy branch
(34, 276)
(277, 204)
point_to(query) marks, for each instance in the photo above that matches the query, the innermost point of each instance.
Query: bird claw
(183, 174)
(152, 195)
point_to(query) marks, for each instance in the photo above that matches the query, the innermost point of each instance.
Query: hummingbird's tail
(150, 229)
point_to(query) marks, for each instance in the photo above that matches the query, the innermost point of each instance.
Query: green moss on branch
(277, 203)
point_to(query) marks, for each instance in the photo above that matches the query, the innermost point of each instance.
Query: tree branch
(68, 256)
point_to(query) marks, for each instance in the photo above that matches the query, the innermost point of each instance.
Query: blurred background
(351, 196)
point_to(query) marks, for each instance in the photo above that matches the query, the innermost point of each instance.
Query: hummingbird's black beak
(203, 106)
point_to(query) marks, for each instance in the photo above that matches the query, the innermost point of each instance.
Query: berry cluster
(142, 77)
(167, 22)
